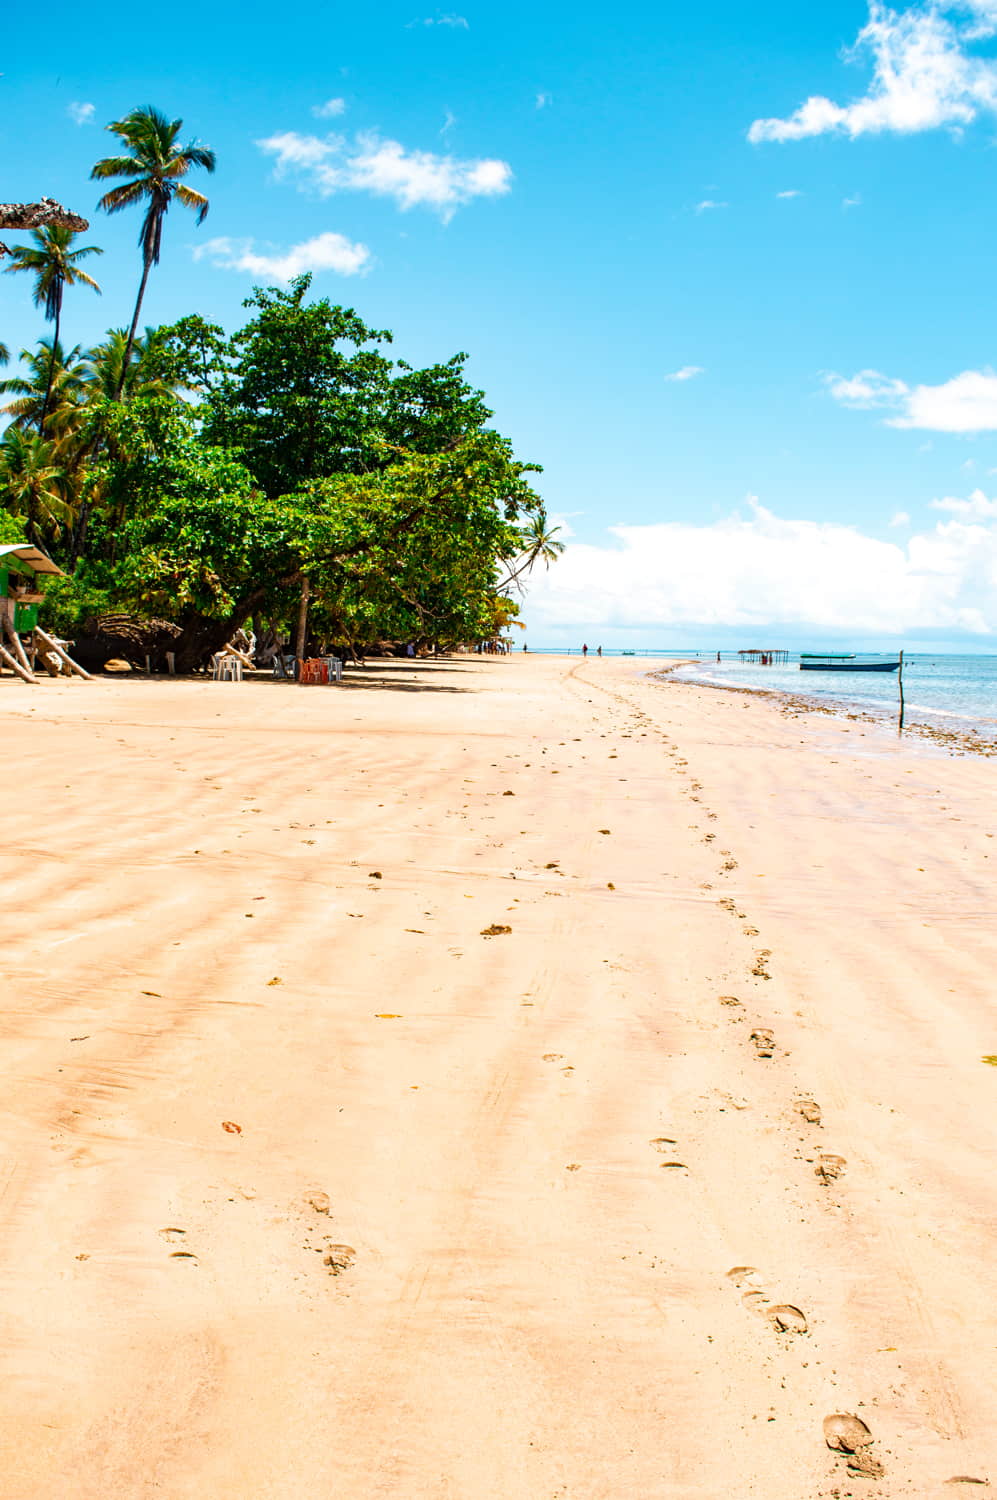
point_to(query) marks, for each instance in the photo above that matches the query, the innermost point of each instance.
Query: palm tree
(53, 381)
(107, 374)
(154, 163)
(538, 542)
(53, 262)
(33, 483)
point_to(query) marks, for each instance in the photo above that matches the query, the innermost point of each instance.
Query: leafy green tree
(53, 262)
(305, 391)
(410, 550)
(154, 163)
(52, 377)
(299, 390)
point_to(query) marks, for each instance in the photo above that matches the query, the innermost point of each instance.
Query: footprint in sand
(764, 1041)
(829, 1167)
(848, 1434)
(553, 1057)
(784, 1317)
(730, 1000)
(339, 1258)
(662, 1143)
(809, 1109)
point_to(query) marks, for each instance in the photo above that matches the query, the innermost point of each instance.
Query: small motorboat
(847, 662)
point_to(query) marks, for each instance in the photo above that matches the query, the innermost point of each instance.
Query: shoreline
(955, 741)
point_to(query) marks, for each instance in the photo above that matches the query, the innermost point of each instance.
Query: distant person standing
(599, 651)
(585, 650)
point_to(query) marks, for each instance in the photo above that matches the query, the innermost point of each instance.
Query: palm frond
(191, 198)
(122, 197)
(116, 166)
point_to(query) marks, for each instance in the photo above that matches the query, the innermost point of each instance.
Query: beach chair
(314, 671)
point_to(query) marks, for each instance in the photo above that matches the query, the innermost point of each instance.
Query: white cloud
(326, 252)
(687, 372)
(329, 109)
(759, 570)
(851, 202)
(81, 114)
(459, 22)
(866, 390)
(923, 76)
(900, 518)
(707, 204)
(977, 506)
(542, 101)
(966, 403)
(790, 193)
(386, 169)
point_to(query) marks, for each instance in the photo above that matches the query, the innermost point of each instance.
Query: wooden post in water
(900, 684)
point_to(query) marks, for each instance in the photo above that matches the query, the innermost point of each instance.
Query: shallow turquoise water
(937, 688)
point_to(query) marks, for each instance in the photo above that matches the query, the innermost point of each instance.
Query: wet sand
(312, 1189)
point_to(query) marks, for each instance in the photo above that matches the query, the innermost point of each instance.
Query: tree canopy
(208, 479)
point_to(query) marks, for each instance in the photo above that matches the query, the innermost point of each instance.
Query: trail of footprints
(844, 1433)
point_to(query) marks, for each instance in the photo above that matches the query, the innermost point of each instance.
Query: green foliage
(11, 529)
(298, 451)
(69, 601)
(305, 392)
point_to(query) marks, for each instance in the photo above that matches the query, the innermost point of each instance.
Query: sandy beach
(313, 1189)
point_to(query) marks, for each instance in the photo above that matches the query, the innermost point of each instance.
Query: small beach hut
(22, 566)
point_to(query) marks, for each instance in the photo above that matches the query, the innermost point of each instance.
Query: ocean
(957, 692)
(948, 691)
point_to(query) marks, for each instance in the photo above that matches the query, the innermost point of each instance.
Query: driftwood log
(36, 216)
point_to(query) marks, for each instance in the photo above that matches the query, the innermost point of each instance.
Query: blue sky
(590, 203)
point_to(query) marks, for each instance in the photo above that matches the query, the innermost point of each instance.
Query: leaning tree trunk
(146, 267)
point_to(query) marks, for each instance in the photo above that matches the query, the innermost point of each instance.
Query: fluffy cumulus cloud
(81, 114)
(966, 403)
(924, 75)
(329, 109)
(756, 570)
(977, 506)
(687, 372)
(385, 168)
(326, 252)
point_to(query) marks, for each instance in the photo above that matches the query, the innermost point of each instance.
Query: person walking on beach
(598, 651)
(585, 650)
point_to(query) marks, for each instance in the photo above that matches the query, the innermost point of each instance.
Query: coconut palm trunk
(130, 344)
(51, 368)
